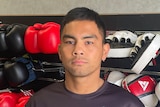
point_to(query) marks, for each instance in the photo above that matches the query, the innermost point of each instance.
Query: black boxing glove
(3, 46)
(29, 65)
(3, 80)
(16, 73)
(15, 38)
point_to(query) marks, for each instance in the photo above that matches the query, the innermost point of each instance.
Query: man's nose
(78, 50)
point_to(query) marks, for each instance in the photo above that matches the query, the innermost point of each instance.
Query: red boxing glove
(8, 99)
(22, 101)
(42, 38)
(30, 38)
(25, 96)
(49, 38)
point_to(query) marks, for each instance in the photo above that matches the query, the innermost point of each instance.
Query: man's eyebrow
(68, 36)
(89, 36)
(85, 37)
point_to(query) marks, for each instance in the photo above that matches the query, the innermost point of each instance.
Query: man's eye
(89, 42)
(69, 42)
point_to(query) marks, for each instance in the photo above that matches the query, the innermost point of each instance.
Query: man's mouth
(78, 62)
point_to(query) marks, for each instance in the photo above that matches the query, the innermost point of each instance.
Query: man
(81, 51)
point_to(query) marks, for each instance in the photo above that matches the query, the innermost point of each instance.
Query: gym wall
(60, 7)
(117, 15)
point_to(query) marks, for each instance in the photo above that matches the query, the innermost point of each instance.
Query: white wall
(61, 7)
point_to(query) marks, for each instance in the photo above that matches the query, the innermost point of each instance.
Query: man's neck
(83, 85)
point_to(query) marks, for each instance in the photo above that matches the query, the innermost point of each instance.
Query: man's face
(82, 50)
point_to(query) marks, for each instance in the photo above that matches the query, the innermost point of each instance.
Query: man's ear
(106, 48)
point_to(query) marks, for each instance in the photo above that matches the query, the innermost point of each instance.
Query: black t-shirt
(109, 95)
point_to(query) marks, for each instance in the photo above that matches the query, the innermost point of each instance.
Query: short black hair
(83, 13)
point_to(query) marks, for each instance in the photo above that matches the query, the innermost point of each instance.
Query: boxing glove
(142, 86)
(16, 73)
(116, 77)
(30, 38)
(15, 38)
(22, 101)
(3, 45)
(3, 80)
(157, 90)
(42, 38)
(12, 40)
(25, 96)
(29, 65)
(8, 99)
(49, 38)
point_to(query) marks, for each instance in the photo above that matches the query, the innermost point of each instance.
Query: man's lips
(79, 62)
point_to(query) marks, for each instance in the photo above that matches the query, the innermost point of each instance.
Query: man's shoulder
(54, 87)
(117, 89)
(123, 95)
(113, 86)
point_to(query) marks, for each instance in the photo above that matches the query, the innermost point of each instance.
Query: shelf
(154, 73)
